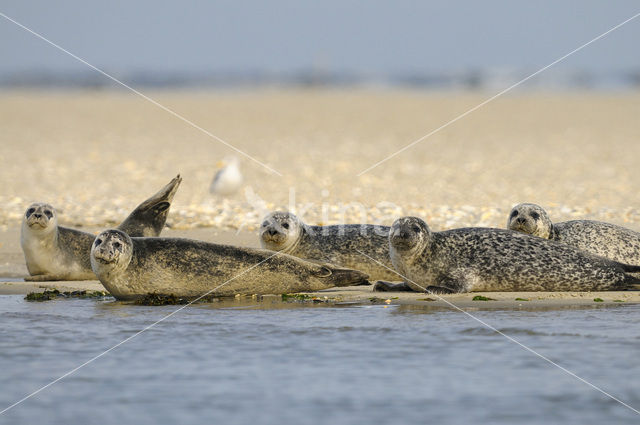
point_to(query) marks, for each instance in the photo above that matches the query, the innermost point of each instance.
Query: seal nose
(403, 234)
(520, 220)
(272, 232)
(37, 215)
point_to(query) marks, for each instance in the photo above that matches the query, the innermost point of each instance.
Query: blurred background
(319, 92)
(429, 45)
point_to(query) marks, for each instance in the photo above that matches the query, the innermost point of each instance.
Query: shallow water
(239, 363)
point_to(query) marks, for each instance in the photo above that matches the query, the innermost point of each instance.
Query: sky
(364, 37)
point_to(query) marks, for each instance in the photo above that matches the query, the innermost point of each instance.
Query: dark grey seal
(54, 252)
(337, 244)
(607, 240)
(482, 259)
(131, 268)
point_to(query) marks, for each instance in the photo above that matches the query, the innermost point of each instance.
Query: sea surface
(249, 362)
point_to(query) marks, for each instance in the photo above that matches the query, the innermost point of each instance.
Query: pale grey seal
(130, 268)
(337, 244)
(54, 252)
(483, 259)
(616, 243)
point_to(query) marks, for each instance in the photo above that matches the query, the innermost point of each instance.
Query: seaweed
(426, 299)
(296, 297)
(160, 299)
(52, 294)
(523, 299)
(482, 298)
(47, 295)
(598, 300)
(304, 298)
(376, 300)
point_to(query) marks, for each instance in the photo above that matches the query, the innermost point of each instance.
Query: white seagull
(228, 179)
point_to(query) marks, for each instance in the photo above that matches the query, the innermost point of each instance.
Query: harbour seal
(54, 252)
(338, 244)
(483, 259)
(607, 240)
(130, 268)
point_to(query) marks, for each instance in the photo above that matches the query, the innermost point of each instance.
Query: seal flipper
(628, 268)
(149, 217)
(384, 286)
(338, 276)
(631, 283)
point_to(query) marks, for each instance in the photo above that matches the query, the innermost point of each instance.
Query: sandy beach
(102, 153)
(95, 155)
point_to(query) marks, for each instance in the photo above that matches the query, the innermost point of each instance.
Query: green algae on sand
(52, 294)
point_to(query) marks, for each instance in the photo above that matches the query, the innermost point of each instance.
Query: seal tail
(162, 199)
(628, 268)
(631, 282)
(339, 276)
(151, 215)
(165, 194)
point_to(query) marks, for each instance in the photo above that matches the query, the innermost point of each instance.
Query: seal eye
(415, 228)
(48, 213)
(117, 245)
(30, 211)
(514, 214)
(285, 225)
(98, 242)
(265, 223)
(535, 215)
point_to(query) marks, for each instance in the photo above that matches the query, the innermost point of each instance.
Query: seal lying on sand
(339, 244)
(54, 252)
(481, 259)
(616, 243)
(131, 268)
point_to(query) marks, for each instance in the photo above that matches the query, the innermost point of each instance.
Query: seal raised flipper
(149, 217)
(131, 268)
(55, 252)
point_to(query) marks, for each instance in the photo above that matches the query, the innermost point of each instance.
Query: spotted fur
(131, 268)
(607, 240)
(482, 259)
(337, 244)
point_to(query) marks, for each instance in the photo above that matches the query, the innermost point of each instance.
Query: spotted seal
(483, 259)
(338, 244)
(54, 252)
(607, 240)
(130, 268)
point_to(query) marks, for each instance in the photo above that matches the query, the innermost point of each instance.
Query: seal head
(40, 218)
(409, 236)
(531, 219)
(281, 231)
(112, 249)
